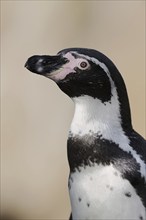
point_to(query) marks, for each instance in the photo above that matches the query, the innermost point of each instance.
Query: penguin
(107, 157)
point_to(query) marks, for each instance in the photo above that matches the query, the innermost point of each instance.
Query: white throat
(93, 116)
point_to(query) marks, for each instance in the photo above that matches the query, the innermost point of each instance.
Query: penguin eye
(83, 65)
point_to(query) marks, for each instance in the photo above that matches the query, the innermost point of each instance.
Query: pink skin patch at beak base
(66, 68)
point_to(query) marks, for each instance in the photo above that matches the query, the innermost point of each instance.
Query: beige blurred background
(36, 115)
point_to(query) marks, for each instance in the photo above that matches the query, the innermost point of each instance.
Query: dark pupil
(83, 64)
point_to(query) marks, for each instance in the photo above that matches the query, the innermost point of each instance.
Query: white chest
(99, 192)
(92, 117)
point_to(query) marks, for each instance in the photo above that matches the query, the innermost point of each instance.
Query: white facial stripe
(94, 60)
(102, 65)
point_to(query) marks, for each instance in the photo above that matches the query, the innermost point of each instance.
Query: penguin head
(80, 71)
(77, 72)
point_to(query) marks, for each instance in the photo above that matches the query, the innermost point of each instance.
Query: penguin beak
(44, 65)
